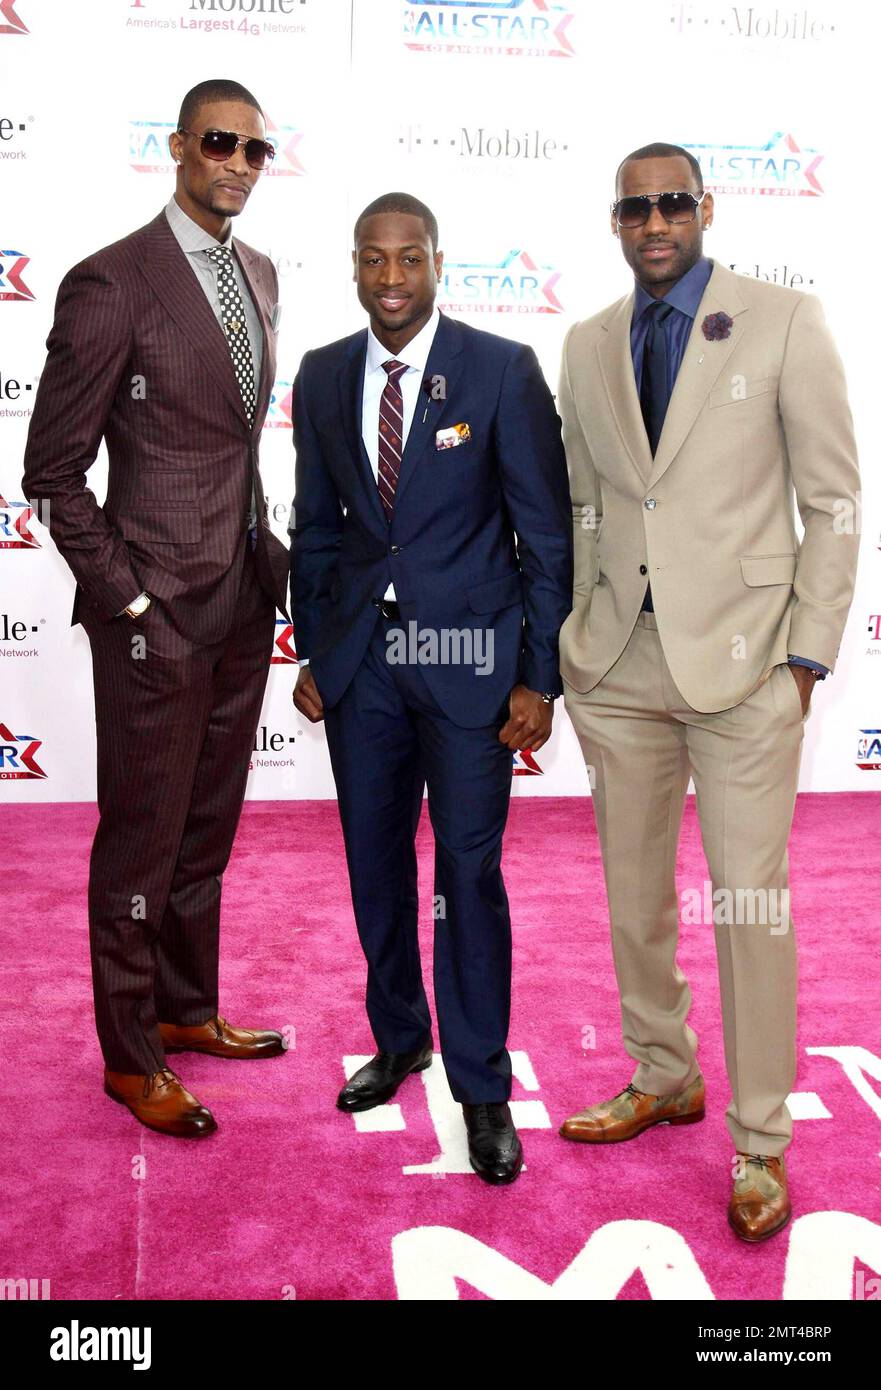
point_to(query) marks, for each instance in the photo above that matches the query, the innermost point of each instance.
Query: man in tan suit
(695, 411)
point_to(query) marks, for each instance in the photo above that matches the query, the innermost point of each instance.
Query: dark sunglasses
(221, 144)
(673, 207)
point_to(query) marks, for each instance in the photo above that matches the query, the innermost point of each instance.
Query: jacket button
(643, 569)
(650, 504)
(395, 549)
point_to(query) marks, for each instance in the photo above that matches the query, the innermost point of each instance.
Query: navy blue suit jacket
(481, 535)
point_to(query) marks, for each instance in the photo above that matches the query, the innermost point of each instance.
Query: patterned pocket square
(456, 434)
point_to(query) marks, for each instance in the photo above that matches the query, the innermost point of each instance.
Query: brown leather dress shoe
(631, 1111)
(161, 1102)
(219, 1039)
(760, 1205)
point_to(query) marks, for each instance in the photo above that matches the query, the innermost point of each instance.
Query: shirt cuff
(822, 671)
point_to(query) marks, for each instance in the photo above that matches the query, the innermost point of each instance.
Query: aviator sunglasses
(673, 207)
(222, 144)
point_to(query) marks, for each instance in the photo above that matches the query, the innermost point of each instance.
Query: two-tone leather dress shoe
(161, 1102)
(760, 1205)
(494, 1149)
(218, 1038)
(378, 1080)
(631, 1112)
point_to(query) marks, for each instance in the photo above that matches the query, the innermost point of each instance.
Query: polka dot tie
(235, 326)
(391, 427)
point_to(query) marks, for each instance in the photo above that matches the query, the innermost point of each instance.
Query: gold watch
(138, 607)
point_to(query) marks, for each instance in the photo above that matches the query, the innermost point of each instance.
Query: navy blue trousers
(388, 739)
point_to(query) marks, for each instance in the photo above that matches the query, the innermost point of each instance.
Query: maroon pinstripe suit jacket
(136, 356)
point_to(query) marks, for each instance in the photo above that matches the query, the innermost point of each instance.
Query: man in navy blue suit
(431, 571)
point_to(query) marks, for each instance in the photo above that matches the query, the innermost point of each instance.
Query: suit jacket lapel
(616, 368)
(351, 388)
(252, 272)
(445, 364)
(702, 365)
(173, 282)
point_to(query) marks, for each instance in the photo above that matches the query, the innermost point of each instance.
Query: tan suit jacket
(757, 421)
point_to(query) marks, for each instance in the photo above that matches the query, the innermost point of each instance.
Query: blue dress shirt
(685, 296)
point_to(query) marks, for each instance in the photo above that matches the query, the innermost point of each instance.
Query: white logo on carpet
(446, 1114)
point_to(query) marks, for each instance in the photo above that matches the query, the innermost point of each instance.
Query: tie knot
(394, 369)
(220, 254)
(659, 310)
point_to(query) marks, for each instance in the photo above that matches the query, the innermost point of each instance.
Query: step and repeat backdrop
(508, 118)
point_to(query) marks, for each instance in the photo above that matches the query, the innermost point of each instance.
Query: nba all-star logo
(781, 168)
(525, 764)
(18, 761)
(149, 152)
(9, 20)
(284, 652)
(503, 28)
(517, 284)
(12, 267)
(14, 532)
(280, 415)
(869, 750)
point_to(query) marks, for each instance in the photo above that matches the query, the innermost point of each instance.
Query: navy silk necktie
(654, 394)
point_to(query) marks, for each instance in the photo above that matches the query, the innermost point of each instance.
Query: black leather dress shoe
(378, 1080)
(494, 1150)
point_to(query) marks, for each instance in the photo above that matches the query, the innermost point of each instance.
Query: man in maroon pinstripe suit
(164, 345)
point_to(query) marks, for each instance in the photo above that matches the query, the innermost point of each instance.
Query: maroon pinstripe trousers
(175, 729)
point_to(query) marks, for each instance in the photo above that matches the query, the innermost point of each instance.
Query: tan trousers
(640, 741)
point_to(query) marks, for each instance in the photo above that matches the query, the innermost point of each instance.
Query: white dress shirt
(415, 354)
(194, 241)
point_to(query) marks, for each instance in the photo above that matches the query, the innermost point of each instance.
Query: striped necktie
(391, 434)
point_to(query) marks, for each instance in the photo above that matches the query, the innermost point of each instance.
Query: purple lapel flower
(717, 326)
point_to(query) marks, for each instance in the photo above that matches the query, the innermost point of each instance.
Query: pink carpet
(291, 1199)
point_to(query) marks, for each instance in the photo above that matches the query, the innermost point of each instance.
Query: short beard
(666, 275)
(227, 212)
